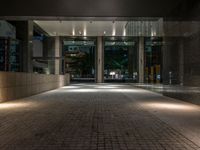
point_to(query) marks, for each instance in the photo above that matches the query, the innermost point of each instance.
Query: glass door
(79, 59)
(120, 59)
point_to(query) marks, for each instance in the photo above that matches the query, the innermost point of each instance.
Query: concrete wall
(18, 85)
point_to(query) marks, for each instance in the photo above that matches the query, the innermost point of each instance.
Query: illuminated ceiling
(83, 28)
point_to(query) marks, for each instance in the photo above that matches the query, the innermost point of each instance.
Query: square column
(24, 32)
(141, 60)
(29, 46)
(181, 62)
(58, 54)
(100, 61)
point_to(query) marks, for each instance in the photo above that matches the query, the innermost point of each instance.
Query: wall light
(73, 32)
(124, 32)
(84, 32)
(114, 29)
(114, 32)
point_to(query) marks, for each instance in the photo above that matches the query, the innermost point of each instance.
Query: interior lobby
(100, 75)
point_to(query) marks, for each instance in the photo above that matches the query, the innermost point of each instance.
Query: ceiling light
(73, 32)
(104, 32)
(80, 33)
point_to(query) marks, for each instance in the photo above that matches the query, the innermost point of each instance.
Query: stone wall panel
(18, 85)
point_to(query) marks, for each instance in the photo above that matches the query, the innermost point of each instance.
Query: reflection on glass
(9, 54)
(79, 59)
(120, 60)
(153, 46)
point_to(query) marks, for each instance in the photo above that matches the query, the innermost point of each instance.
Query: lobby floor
(99, 117)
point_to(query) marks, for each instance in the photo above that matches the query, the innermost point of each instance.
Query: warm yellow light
(73, 32)
(81, 90)
(169, 106)
(15, 105)
(84, 32)
(105, 87)
(124, 32)
(70, 87)
(101, 89)
(114, 32)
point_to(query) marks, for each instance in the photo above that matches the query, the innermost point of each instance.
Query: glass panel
(79, 59)
(120, 58)
(79, 43)
(153, 61)
(108, 43)
(9, 55)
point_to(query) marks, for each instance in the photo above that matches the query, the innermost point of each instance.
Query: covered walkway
(99, 117)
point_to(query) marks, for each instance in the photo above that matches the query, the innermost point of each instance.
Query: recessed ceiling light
(104, 32)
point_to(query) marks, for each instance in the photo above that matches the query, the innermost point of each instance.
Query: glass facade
(9, 54)
(79, 58)
(120, 59)
(166, 44)
(153, 59)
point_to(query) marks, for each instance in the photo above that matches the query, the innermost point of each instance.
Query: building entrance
(79, 58)
(120, 59)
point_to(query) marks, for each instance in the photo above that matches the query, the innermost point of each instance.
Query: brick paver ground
(86, 117)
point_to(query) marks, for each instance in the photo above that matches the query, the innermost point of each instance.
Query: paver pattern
(86, 117)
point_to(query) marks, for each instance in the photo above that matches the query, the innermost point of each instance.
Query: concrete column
(30, 47)
(141, 60)
(100, 61)
(181, 62)
(58, 54)
(130, 62)
(24, 32)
